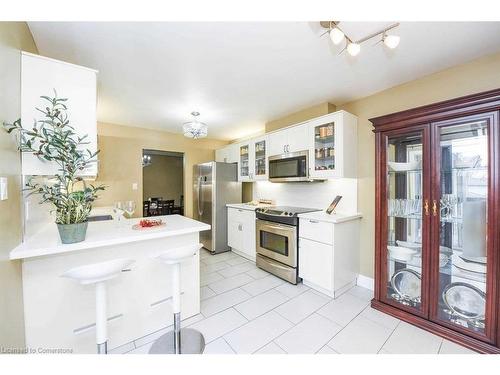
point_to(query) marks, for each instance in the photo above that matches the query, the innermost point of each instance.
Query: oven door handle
(279, 227)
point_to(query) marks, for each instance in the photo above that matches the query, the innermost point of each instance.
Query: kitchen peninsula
(60, 313)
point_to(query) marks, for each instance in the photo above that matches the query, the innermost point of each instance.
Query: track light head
(336, 35)
(353, 48)
(391, 41)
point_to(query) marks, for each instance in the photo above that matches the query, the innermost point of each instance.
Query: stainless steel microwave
(290, 167)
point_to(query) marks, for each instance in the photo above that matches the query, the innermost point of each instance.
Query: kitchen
(285, 243)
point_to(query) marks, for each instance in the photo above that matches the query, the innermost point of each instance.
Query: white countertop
(333, 218)
(245, 206)
(104, 233)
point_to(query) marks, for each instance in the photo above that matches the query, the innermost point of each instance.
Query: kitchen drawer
(316, 230)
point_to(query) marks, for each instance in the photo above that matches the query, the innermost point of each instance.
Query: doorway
(162, 182)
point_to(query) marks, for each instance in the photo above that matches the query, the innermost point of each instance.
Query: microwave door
(288, 167)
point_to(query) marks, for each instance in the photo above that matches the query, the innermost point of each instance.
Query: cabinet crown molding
(465, 105)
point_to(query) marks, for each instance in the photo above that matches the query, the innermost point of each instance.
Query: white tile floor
(246, 310)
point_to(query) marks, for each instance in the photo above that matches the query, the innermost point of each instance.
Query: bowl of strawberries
(149, 224)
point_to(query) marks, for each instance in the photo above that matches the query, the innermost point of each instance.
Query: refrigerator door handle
(200, 197)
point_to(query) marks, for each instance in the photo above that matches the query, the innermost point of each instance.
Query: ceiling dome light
(391, 41)
(353, 48)
(195, 129)
(336, 35)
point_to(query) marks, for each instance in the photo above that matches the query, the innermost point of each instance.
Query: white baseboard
(366, 282)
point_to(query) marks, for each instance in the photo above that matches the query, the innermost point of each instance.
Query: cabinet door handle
(434, 208)
(314, 221)
(426, 207)
(240, 227)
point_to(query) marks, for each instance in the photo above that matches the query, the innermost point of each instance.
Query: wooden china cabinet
(437, 203)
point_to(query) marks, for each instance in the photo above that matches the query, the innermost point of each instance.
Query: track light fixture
(337, 35)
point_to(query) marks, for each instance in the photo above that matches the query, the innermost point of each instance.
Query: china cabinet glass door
(406, 224)
(460, 224)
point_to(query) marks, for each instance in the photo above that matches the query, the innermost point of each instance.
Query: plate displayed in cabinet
(401, 253)
(465, 300)
(407, 284)
(418, 246)
(480, 260)
(467, 265)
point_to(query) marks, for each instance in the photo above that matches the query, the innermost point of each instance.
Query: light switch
(3, 188)
(134, 186)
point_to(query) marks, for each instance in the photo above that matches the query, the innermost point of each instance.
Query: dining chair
(166, 207)
(146, 209)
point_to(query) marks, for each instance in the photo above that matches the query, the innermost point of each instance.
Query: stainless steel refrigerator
(215, 185)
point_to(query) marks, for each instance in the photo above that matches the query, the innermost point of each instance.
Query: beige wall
(479, 75)
(163, 178)
(300, 116)
(121, 154)
(14, 36)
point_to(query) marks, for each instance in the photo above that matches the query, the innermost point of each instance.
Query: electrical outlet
(134, 186)
(3, 188)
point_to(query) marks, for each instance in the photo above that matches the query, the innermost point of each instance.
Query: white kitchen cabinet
(252, 163)
(40, 76)
(227, 154)
(287, 140)
(241, 232)
(333, 146)
(245, 162)
(259, 150)
(316, 264)
(329, 251)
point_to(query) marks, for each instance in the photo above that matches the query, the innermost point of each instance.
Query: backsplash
(310, 194)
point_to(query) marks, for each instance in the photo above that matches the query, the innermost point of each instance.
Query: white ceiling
(240, 75)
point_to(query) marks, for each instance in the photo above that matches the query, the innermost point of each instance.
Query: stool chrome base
(192, 342)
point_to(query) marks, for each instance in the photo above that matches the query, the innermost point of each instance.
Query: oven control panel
(270, 211)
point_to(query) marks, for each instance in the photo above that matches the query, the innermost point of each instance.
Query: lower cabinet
(328, 253)
(316, 263)
(241, 231)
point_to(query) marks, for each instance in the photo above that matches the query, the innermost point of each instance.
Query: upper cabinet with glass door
(333, 146)
(260, 149)
(244, 163)
(252, 165)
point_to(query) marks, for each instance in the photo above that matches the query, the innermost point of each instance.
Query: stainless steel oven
(277, 231)
(277, 241)
(291, 167)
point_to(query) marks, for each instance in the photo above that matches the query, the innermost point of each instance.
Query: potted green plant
(53, 139)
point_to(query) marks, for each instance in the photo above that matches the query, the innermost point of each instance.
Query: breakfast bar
(60, 313)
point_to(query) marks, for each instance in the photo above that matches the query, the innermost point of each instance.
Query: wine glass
(118, 211)
(129, 208)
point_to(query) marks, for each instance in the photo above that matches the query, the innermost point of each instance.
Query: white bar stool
(98, 274)
(185, 340)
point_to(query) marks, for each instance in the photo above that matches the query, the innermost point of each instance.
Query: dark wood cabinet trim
(463, 106)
